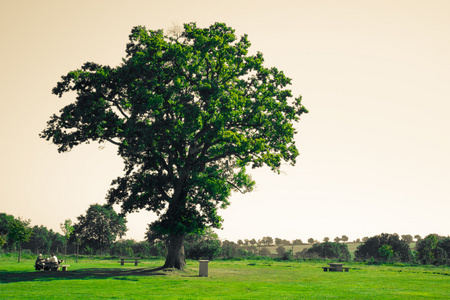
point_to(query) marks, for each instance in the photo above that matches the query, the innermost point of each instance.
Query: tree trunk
(175, 252)
(20, 250)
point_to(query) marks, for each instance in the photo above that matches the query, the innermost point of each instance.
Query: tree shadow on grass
(88, 273)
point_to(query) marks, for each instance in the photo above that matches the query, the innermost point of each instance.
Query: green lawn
(227, 280)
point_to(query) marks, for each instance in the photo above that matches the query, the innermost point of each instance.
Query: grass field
(258, 279)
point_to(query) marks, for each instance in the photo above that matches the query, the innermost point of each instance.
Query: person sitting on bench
(39, 264)
(54, 259)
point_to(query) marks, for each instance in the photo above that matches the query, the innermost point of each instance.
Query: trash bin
(203, 268)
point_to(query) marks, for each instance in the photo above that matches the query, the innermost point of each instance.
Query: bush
(375, 248)
(329, 250)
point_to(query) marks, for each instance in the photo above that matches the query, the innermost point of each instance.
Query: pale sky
(375, 76)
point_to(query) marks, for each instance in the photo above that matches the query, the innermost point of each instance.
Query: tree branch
(236, 187)
(114, 142)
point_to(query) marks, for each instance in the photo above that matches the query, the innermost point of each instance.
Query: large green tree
(99, 228)
(188, 113)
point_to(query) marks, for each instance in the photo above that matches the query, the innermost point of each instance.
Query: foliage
(297, 242)
(370, 248)
(433, 249)
(407, 238)
(267, 240)
(122, 248)
(5, 219)
(287, 255)
(19, 232)
(40, 241)
(328, 250)
(279, 242)
(67, 229)
(280, 250)
(58, 241)
(99, 228)
(264, 252)
(202, 246)
(189, 115)
(231, 250)
(386, 253)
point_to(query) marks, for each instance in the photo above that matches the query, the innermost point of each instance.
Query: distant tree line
(100, 229)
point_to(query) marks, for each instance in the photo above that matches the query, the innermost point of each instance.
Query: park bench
(335, 268)
(123, 260)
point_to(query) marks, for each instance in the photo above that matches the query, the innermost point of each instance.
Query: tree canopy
(371, 248)
(189, 114)
(99, 228)
(329, 250)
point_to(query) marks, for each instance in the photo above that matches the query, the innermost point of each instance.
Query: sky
(374, 147)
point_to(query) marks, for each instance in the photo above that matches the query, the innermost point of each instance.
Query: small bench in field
(335, 267)
(64, 267)
(123, 260)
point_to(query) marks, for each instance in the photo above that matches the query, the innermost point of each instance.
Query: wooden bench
(346, 269)
(64, 267)
(326, 269)
(123, 260)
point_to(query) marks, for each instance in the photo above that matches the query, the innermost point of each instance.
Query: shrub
(371, 248)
